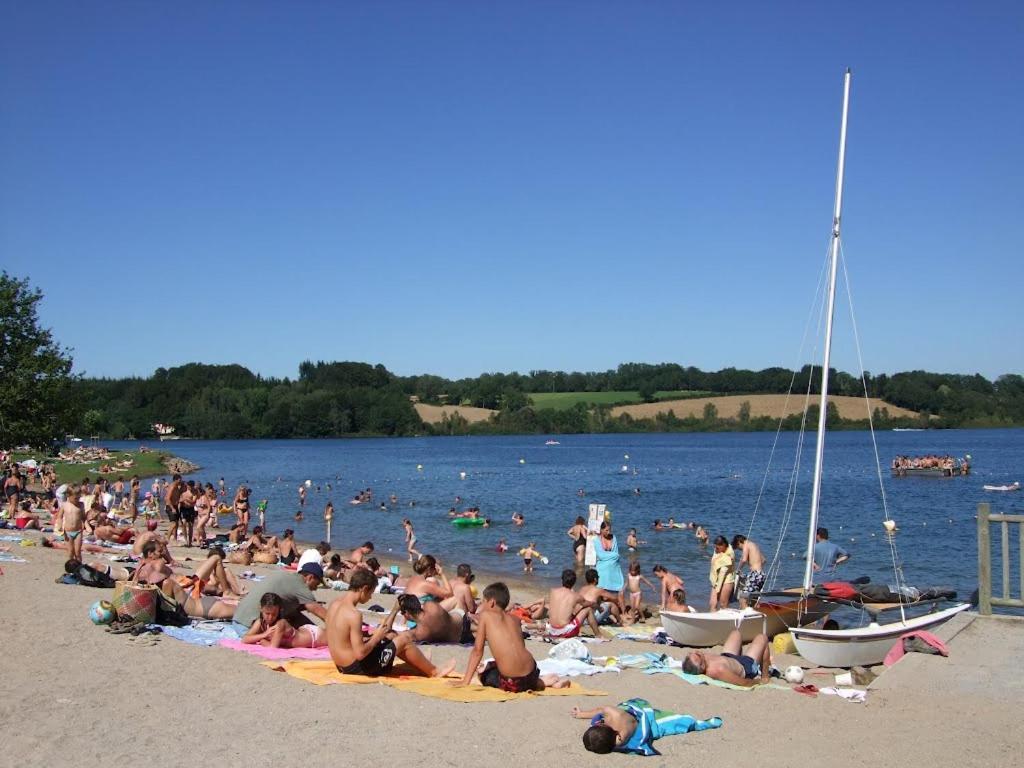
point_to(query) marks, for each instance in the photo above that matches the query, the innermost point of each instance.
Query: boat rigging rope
(890, 535)
(791, 492)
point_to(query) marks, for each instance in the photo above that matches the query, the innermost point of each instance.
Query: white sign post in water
(593, 526)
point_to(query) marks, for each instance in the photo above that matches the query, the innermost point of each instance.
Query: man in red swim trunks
(568, 609)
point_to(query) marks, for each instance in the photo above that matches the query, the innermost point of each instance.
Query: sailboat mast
(819, 452)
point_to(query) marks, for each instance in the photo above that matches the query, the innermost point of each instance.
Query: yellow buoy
(783, 643)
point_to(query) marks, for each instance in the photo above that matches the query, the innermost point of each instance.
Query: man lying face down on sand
(514, 669)
(354, 654)
(433, 623)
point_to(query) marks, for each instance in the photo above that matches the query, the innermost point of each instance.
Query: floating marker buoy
(522, 461)
(626, 456)
(625, 468)
(309, 483)
(889, 525)
(462, 475)
(419, 467)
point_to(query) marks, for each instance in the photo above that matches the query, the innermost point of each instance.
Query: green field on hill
(561, 401)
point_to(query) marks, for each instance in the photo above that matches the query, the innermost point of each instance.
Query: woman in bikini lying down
(273, 631)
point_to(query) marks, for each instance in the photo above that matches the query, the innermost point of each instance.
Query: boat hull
(703, 630)
(863, 646)
(783, 616)
(930, 472)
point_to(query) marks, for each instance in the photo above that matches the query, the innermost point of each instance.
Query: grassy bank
(148, 464)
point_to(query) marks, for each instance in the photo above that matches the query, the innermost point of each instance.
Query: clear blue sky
(456, 188)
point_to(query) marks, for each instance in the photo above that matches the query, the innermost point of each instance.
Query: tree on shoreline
(36, 386)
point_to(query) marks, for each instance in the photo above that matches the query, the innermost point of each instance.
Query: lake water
(713, 479)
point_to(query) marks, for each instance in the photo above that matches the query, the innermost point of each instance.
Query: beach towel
(325, 673)
(920, 641)
(275, 654)
(652, 724)
(199, 632)
(572, 668)
(705, 680)
(9, 558)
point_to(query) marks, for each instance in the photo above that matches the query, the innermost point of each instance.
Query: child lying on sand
(634, 725)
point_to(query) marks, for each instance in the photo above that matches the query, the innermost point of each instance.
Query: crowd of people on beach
(103, 517)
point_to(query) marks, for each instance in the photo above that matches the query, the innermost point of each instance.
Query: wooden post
(1005, 530)
(984, 561)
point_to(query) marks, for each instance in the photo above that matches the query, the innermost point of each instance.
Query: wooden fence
(985, 598)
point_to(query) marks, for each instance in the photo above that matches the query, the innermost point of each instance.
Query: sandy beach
(76, 694)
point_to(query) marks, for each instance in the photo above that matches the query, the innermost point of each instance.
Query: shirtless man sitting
(608, 605)
(153, 569)
(753, 579)
(151, 535)
(568, 609)
(374, 656)
(433, 623)
(514, 669)
(732, 666)
(669, 584)
(359, 553)
(462, 594)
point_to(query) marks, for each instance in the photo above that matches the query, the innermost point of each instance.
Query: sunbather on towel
(202, 607)
(273, 631)
(355, 655)
(514, 669)
(433, 623)
(732, 666)
(633, 726)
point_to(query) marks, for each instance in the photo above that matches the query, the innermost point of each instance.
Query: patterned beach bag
(135, 602)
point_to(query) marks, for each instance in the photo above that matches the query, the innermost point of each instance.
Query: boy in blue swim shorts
(634, 725)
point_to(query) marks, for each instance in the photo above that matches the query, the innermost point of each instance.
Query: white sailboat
(864, 645)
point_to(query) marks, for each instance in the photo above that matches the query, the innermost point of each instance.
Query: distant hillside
(772, 406)
(434, 414)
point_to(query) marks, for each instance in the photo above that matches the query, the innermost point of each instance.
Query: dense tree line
(40, 400)
(347, 398)
(225, 401)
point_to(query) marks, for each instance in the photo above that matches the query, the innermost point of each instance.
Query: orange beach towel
(325, 673)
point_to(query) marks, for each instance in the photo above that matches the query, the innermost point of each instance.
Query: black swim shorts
(378, 662)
